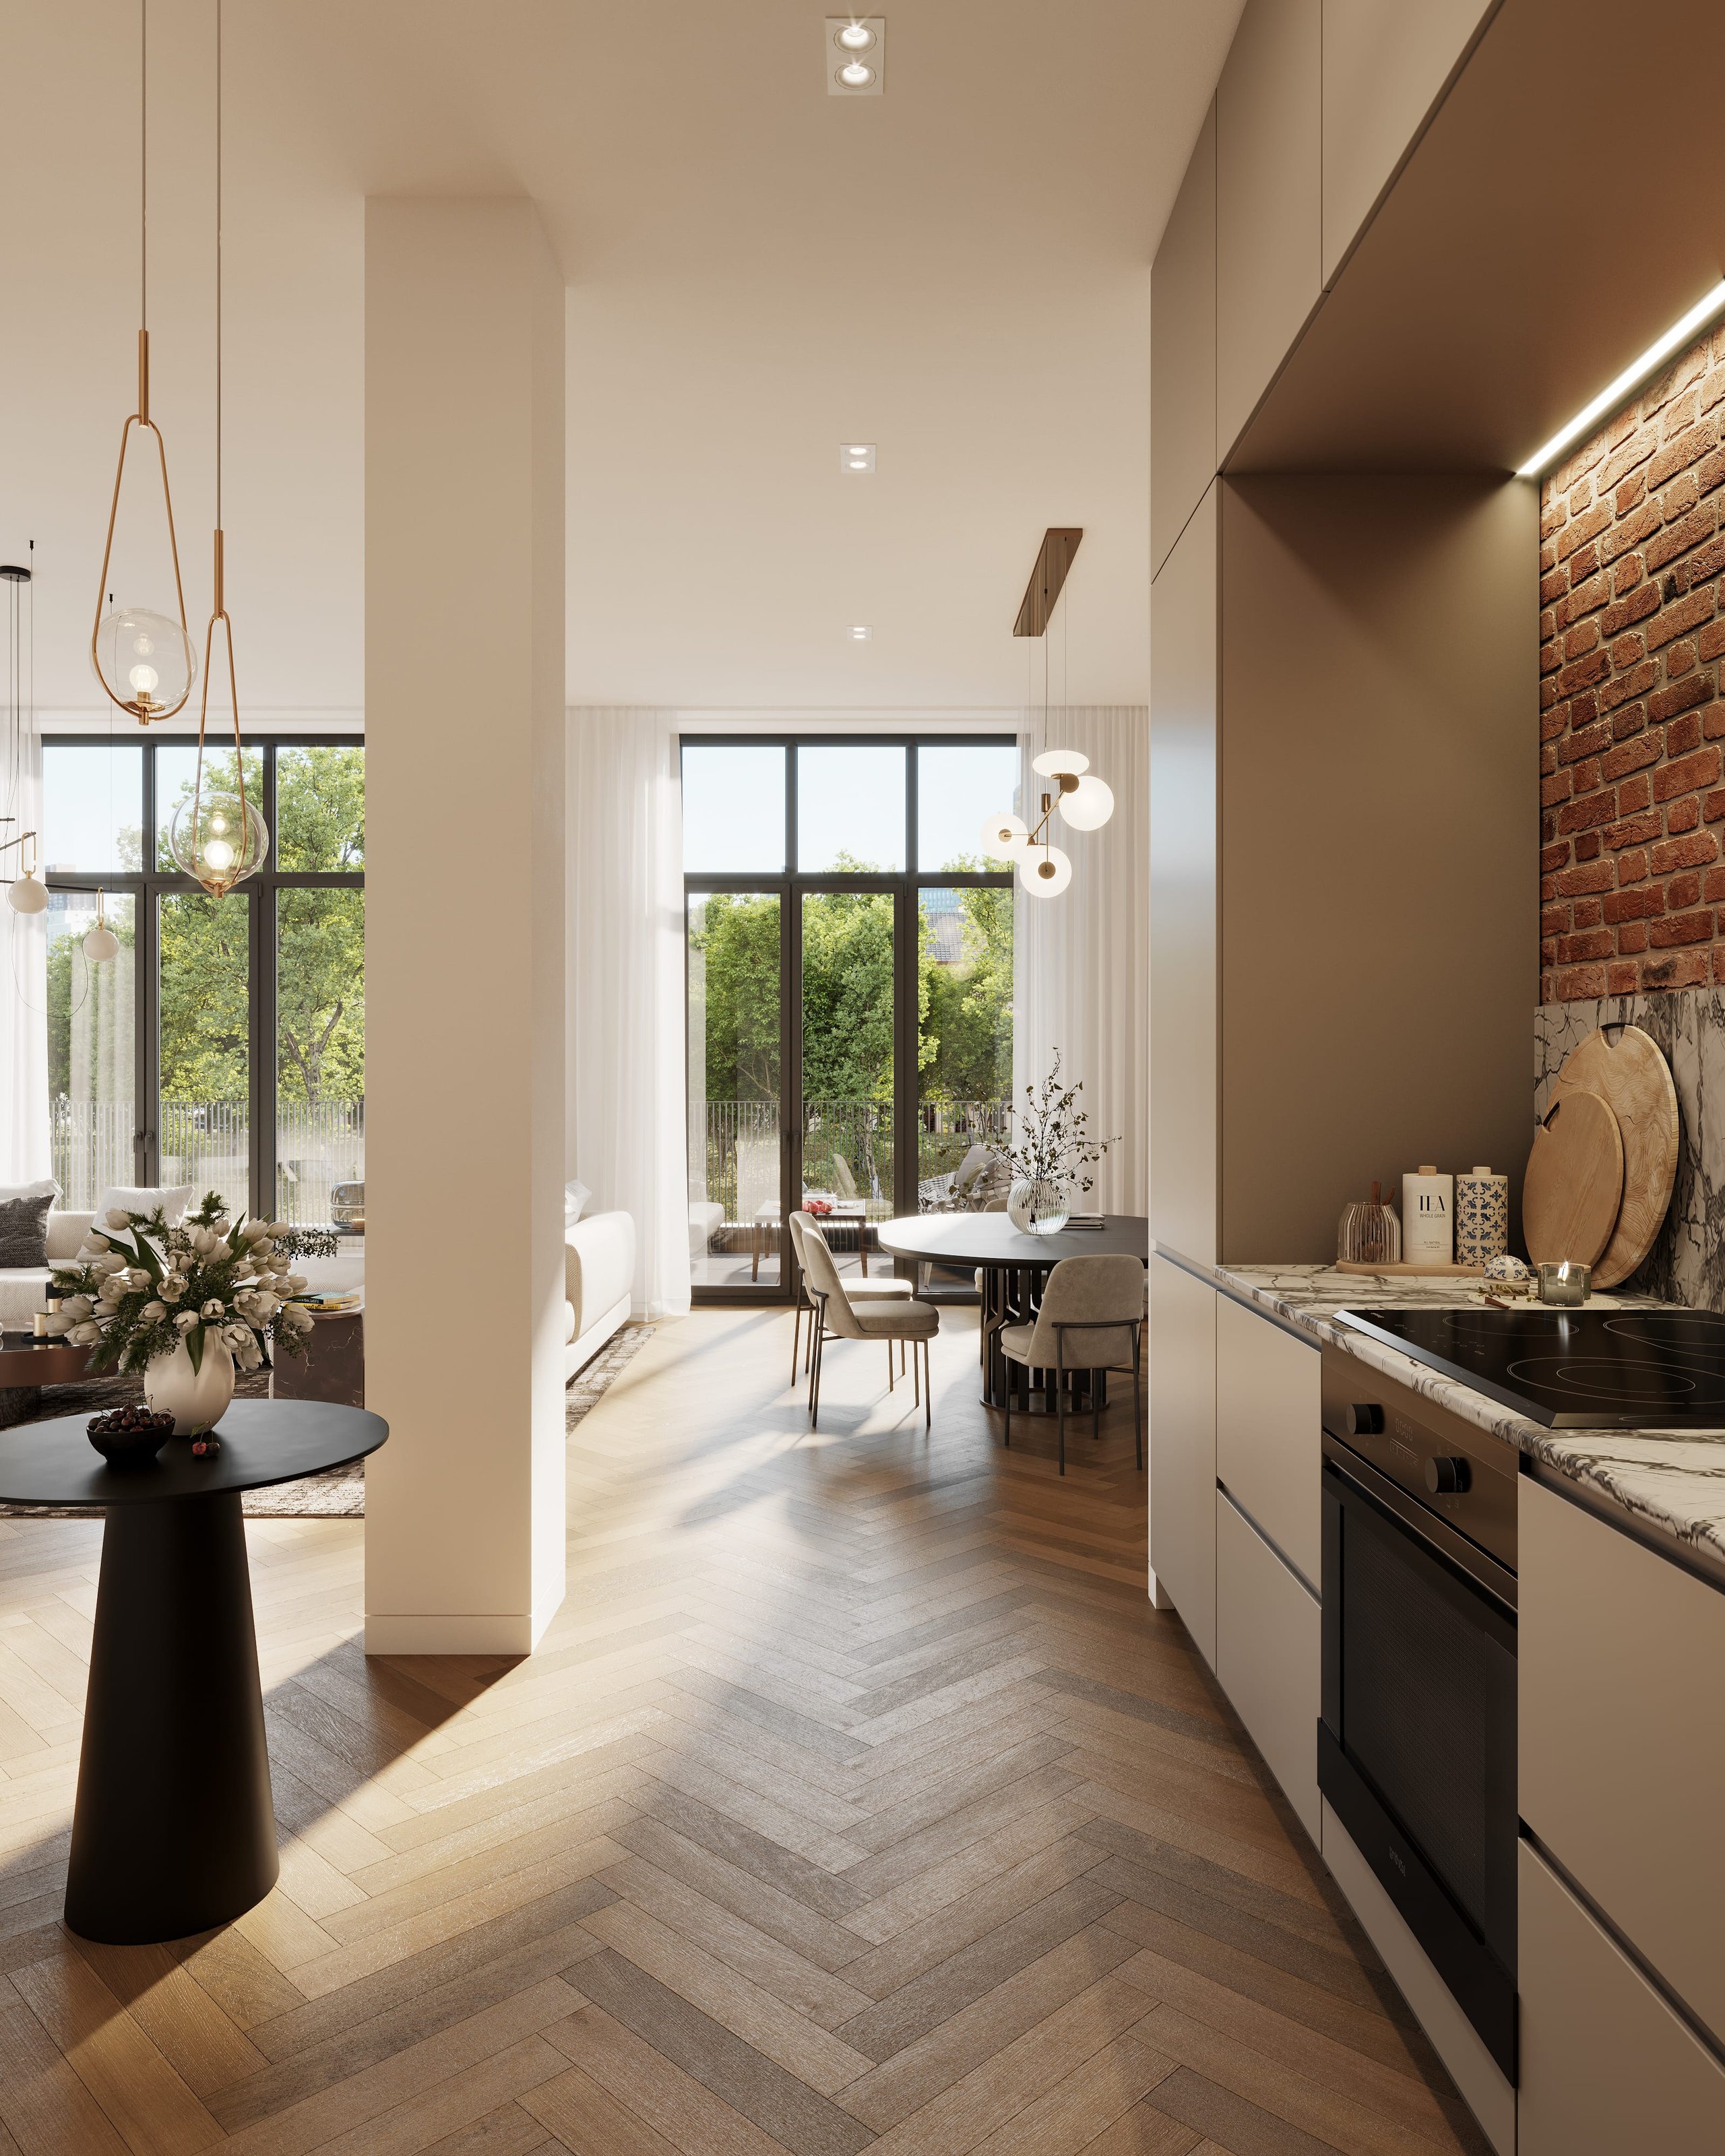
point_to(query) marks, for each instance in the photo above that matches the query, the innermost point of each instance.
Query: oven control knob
(1447, 1474)
(1364, 1421)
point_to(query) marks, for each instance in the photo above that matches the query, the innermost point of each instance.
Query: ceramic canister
(1428, 1219)
(1481, 1217)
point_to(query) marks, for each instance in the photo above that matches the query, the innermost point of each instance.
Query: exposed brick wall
(1631, 627)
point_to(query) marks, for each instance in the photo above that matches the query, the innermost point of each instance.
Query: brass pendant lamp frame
(246, 860)
(141, 707)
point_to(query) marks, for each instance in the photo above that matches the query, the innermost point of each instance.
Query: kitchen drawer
(1268, 1655)
(1269, 1414)
(1183, 1447)
(1605, 2066)
(1622, 1737)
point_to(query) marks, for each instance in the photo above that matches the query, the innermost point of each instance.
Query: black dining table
(174, 1828)
(1014, 1267)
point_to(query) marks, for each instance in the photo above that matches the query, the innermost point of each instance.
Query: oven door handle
(1424, 1526)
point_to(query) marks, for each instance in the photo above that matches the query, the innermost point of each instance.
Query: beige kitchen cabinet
(1183, 1167)
(1386, 66)
(1606, 2066)
(1183, 1448)
(1268, 1412)
(1183, 351)
(1622, 1737)
(1269, 201)
(1269, 1652)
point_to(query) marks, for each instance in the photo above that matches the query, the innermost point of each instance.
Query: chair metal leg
(797, 1344)
(1007, 1394)
(820, 1333)
(1138, 1399)
(928, 1390)
(915, 1381)
(889, 1366)
(1061, 1392)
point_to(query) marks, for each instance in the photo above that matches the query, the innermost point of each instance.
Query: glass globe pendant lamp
(102, 944)
(29, 894)
(1045, 871)
(144, 659)
(218, 838)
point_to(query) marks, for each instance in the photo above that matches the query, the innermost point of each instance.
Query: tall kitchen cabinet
(1344, 803)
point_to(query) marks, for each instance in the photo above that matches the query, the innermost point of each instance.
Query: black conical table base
(174, 1830)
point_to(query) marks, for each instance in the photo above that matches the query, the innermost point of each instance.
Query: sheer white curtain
(25, 1152)
(1081, 961)
(626, 1121)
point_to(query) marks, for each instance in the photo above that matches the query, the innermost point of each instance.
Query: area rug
(340, 1492)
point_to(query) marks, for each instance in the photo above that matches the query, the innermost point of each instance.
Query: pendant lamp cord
(218, 264)
(143, 164)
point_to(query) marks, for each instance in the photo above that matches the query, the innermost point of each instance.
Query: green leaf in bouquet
(194, 1347)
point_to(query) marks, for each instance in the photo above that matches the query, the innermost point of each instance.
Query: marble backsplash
(1687, 1263)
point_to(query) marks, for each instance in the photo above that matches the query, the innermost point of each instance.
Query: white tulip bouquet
(139, 1288)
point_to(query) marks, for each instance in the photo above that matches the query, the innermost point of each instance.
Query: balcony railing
(734, 1148)
(208, 1143)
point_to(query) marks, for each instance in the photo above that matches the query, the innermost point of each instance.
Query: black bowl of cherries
(129, 1436)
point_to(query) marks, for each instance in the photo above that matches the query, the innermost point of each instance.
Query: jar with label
(1428, 1219)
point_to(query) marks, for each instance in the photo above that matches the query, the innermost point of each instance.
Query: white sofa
(23, 1287)
(598, 1274)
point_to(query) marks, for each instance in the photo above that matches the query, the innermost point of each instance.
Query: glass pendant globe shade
(1090, 804)
(1053, 761)
(28, 895)
(1045, 871)
(1003, 837)
(100, 945)
(146, 661)
(216, 842)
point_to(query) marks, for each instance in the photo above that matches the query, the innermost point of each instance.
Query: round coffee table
(1014, 1267)
(174, 1830)
(27, 1365)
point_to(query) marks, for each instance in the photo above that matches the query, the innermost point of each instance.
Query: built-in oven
(1416, 1746)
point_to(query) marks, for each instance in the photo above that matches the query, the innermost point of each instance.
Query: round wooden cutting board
(1634, 1080)
(1575, 1185)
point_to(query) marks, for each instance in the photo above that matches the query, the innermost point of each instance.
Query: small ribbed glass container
(1369, 1232)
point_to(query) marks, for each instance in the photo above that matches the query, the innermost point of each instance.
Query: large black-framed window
(821, 946)
(224, 1046)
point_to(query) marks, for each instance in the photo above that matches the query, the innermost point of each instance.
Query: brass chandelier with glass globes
(144, 660)
(1084, 801)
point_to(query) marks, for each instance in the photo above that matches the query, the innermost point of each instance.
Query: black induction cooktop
(1572, 1370)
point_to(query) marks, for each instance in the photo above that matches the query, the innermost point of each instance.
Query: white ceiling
(956, 270)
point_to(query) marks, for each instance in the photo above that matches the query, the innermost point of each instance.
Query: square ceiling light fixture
(856, 456)
(855, 55)
(860, 632)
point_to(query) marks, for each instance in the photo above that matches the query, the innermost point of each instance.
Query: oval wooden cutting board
(1575, 1185)
(1634, 1080)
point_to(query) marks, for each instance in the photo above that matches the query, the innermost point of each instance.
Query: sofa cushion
(575, 1195)
(24, 1230)
(66, 1232)
(123, 1198)
(23, 1293)
(598, 1265)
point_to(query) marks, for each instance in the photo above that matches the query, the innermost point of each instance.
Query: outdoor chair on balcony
(863, 1291)
(837, 1317)
(1100, 1303)
(758, 1204)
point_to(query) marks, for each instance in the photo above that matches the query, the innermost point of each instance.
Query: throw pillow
(47, 1187)
(120, 1198)
(24, 1230)
(575, 1197)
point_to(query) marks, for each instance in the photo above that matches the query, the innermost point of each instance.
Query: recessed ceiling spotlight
(860, 632)
(856, 54)
(856, 456)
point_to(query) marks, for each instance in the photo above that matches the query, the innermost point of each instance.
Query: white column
(464, 604)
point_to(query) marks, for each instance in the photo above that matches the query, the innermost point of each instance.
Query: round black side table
(174, 1830)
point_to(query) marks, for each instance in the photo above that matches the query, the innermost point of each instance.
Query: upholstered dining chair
(867, 1290)
(839, 1315)
(1091, 1318)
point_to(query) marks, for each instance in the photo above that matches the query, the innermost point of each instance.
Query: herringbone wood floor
(857, 1800)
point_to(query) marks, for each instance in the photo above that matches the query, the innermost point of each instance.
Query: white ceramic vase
(1038, 1208)
(197, 1399)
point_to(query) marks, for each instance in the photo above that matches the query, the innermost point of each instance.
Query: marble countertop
(1670, 1480)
